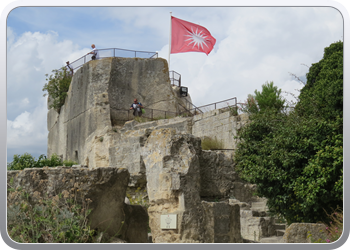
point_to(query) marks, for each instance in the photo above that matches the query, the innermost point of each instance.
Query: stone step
(280, 232)
(272, 239)
(259, 206)
(280, 226)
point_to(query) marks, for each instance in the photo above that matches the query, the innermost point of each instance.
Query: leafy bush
(269, 98)
(323, 93)
(296, 159)
(296, 163)
(69, 163)
(57, 87)
(26, 160)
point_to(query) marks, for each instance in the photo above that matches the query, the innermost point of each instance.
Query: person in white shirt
(94, 52)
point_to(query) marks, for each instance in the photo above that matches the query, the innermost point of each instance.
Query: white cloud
(259, 45)
(30, 56)
(28, 129)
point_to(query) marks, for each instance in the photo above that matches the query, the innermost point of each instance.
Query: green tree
(323, 92)
(296, 162)
(269, 98)
(296, 159)
(57, 87)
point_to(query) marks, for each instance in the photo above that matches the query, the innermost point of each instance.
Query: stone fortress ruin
(192, 195)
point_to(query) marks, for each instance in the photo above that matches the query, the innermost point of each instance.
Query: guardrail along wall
(113, 52)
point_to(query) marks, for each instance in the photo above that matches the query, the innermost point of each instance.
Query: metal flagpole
(169, 44)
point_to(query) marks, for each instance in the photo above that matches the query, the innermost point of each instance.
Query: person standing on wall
(94, 52)
(70, 67)
(136, 106)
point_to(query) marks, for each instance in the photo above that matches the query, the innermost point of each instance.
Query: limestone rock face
(222, 222)
(144, 79)
(127, 154)
(136, 221)
(99, 97)
(105, 187)
(298, 232)
(173, 185)
(217, 174)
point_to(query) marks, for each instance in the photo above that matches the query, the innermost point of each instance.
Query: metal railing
(175, 78)
(225, 104)
(190, 106)
(122, 115)
(113, 52)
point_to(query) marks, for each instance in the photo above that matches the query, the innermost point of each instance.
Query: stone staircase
(258, 206)
(278, 237)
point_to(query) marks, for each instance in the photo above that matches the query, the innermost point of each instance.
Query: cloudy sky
(253, 45)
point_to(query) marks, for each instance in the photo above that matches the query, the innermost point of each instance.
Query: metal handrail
(215, 105)
(192, 105)
(156, 114)
(151, 114)
(113, 52)
(172, 75)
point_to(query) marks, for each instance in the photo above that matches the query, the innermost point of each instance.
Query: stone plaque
(168, 221)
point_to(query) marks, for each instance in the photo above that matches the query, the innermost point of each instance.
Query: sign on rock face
(168, 221)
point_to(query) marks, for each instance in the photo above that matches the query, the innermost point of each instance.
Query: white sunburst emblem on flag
(196, 38)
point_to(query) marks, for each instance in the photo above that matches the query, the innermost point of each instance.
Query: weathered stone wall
(220, 125)
(99, 90)
(173, 185)
(144, 79)
(299, 233)
(127, 154)
(105, 187)
(222, 222)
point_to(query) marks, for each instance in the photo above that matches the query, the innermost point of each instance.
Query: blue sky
(254, 45)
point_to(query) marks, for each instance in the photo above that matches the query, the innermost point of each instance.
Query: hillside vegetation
(296, 157)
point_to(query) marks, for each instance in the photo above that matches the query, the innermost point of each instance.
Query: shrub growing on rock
(57, 87)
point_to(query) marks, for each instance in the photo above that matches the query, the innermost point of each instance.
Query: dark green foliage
(269, 98)
(323, 92)
(57, 87)
(26, 160)
(296, 163)
(296, 159)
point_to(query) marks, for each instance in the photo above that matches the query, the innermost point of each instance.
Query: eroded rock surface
(105, 187)
(298, 232)
(173, 185)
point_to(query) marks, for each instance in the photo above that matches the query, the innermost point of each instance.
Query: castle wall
(82, 131)
(220, 125)
(144, 79)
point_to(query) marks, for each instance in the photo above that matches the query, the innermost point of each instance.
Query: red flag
(190, 37)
